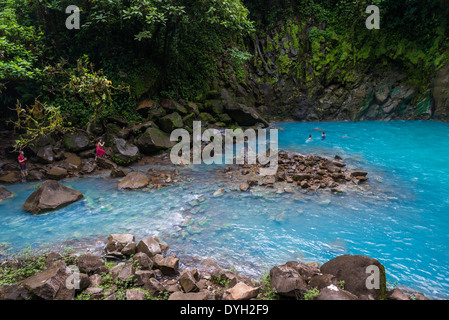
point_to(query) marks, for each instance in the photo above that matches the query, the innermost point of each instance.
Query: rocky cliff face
(291, 77)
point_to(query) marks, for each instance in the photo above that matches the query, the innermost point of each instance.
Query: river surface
(402, 220)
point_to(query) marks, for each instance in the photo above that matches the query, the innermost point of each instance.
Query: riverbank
(264, 225)
(148, 269)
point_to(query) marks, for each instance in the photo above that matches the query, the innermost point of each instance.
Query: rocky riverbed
(127, 269)
(297, 172)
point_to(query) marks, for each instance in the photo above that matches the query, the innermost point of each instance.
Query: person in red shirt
(22, 162)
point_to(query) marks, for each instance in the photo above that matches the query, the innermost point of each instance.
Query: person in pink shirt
(100, 152)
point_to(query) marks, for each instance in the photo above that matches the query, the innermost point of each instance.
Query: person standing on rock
(22, 163)
(99, 152)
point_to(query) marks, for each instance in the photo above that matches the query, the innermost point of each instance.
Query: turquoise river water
(402, 220)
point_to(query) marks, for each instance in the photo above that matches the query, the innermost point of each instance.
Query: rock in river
(51, 195)
(134, 180)
(5, 194)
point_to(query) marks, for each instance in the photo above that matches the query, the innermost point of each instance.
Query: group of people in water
(323, 137)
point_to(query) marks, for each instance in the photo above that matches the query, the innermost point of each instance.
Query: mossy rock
(170, 122)
(156, 113)
(224, 117)
(188, 120)
(206, 117)
(153, 140)
(171, 105)
(145, 106)
(214, 106)
(124, 153)
(112, 128)
(220, 124)
(76, 141)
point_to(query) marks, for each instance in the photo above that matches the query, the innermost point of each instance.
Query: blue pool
(402, 219)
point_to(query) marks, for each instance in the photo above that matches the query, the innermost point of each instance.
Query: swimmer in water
(310, 139)
(323, 136)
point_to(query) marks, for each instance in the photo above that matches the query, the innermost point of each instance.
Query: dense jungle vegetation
(127, 50)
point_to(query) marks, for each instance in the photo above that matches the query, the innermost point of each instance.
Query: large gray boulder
(124, 153)
(170, 122)
(76, 141)
(51, 195)
(244, 115)
(46, 155)
(153, 140)
(355, 271)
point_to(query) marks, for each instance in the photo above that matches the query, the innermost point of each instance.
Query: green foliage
(19, 46)
(222, 282)
(413, 37)
(266, 291)
(311, 294)
(158, 48)
(238, 59)
(37, 121)
(27, 263)
(169, 49)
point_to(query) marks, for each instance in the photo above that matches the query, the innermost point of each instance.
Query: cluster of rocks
(314, 172)
(309, 172)
(147, 269)
(58, 156)
(52, 195)
(151, 179)
(72, 154)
